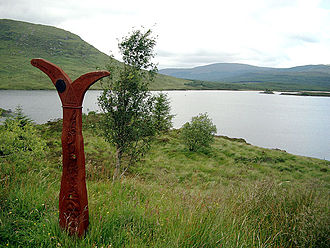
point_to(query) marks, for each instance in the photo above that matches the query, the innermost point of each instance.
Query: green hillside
(21, 41)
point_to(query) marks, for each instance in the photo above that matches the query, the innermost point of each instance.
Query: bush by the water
(199, 132)
(19, 139)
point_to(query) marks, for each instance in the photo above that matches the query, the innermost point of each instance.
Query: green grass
(232, 195)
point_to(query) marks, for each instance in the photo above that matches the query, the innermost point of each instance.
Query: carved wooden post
(73, 204)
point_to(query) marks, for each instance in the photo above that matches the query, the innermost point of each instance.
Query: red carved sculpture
(73, 203)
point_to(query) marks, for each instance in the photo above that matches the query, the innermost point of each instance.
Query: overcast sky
(276, 33)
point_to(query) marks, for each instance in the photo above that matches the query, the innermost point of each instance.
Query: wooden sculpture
(73, 203)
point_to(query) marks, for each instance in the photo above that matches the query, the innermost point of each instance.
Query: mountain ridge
(317, 76)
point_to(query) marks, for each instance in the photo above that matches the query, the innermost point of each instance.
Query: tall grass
(136, 214)
(174, 198)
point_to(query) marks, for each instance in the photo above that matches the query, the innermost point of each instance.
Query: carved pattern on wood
(71, 203)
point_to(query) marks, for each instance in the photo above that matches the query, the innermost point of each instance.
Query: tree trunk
(116, 174)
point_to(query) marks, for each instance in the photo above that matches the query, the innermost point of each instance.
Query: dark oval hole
(60, 85)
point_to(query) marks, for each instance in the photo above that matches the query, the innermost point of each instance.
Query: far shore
(270, 92)
(307, 93)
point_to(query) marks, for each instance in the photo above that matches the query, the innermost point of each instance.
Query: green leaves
(199, 132)
(137, 50)
(127, 104)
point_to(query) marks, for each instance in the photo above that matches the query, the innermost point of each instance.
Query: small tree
(19, 117)
(161, 113)
(199, 132)
(128, 106)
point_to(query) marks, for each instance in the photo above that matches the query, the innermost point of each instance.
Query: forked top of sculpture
(71, 93)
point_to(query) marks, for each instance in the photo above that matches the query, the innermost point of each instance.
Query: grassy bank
(232, 195)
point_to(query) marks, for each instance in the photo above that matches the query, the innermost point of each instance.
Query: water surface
(299, 125)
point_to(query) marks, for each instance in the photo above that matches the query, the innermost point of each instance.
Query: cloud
(57, 12)
(259, 32)
(200, 57)
(304, 38)
(44, 12)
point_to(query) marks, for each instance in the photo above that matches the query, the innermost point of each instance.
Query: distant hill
(22, 41)
(308, 77)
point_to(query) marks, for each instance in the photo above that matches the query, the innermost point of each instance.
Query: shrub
(19, 139)
(199, 132)
(21, 150)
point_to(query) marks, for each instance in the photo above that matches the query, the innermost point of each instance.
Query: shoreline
(307, 93)
(6, 113)
(283, 92)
